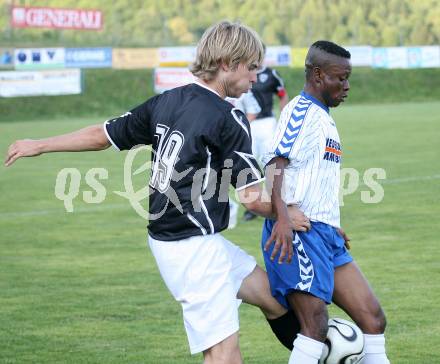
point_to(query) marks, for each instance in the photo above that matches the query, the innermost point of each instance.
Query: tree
(155, 23)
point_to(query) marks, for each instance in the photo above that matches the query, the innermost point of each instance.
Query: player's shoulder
(236, 119)
(293, 102)
(308, 105)
(170, 99)
(200, 101)
(222, 114)
(208, 99)
(301, 111)
(298, 106)
(319, 111)
(179, 94)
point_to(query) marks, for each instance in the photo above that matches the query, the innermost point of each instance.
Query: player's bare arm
(256, 199)
(86, 139)
(287, 217)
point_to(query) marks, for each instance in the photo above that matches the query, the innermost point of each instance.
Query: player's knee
(270, 307)
(322, 327)
(374, 323)
(223, 357)
(223, 353)
(379, 322)
(316, 325)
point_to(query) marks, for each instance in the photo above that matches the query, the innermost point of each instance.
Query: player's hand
(282, 235)
(22, 148)
(299, 221)
(346, 238)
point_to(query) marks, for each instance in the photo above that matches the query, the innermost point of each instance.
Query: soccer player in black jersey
(201, 144)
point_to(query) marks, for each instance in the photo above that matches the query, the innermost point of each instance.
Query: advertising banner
(298, 57)
(397, 57)
(277, 56)
(380, 58)
(424, 57)
(46, 17)
(6, 58)
(361, 56)
(37, 58)
(135, 58)
(88, 57)
(37, 83)
(168, 78)
(390, 57)
(176, 56)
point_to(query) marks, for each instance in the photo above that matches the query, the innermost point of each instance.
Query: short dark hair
(331, 48)
(316, 56)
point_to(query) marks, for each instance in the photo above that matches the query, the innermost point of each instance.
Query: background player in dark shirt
(269, 83)
(200, 146)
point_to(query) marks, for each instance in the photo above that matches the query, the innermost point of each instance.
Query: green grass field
(82, 287)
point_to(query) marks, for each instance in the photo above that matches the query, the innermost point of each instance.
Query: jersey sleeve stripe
(293, 128)
(208, 170)
(196, 223)
(246, 157)
(239, 120)
(250, 184)
(108, 136)
(205, 211)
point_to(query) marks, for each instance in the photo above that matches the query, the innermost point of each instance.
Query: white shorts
(204, 274)
(262, 131)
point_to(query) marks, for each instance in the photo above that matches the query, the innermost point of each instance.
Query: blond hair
(226, 43)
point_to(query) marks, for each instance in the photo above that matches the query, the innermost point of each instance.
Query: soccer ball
(344, 343)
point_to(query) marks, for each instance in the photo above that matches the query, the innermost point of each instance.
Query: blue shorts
(316, 255)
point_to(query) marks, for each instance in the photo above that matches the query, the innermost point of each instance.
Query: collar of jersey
(315, 101)
(208, 88)
(261, 70)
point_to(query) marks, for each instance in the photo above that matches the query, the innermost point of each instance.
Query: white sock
(306, 350)
(375, 350)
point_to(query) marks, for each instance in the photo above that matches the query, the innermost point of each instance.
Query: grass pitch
(82, 287)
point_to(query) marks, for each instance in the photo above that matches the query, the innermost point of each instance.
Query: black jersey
(268, 83)
(201, 145)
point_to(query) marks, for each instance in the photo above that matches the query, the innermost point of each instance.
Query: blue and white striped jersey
(308, 138)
